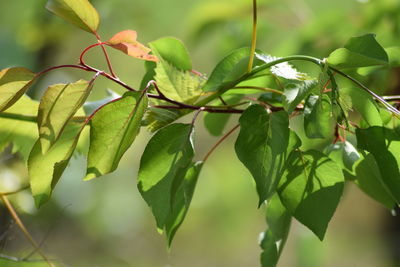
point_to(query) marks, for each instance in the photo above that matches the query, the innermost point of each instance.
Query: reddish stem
(106, 56)
(219, 142)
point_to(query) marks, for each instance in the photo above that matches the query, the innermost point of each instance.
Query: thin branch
(106, 56)
(253, 37)
(219, 142)
(15, 192)
(259, 88)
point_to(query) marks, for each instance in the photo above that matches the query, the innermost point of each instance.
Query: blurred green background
(105, 222)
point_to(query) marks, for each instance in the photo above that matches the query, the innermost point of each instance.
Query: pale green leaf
(172, 51)
(13, 84)
(294, 93)
(112, 131)
(81, 13)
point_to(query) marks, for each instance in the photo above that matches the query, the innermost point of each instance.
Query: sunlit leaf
(90, 106)
(163, 167)
(78, 12)
(362, 51)
(284, 69)
(294, 93)
(57, 106)
(173, 51)
(344, 154)
(13, 84)
(46, 168)
(262, 146)
(112, 131)
(156, 118)
(311, 188)
(126, 42)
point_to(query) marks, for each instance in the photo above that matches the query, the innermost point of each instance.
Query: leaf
(112, 131)
(370, 181)
(22, 134)
(394, 56)
(294, 93)
(181, 201)
(173, 51)
(224, 69)
(46, 168)
(78, 12)
(215, 122)
(311, 188)
(262, 146)
(318, 118)
(156, 118)
(13, 84)
(284, 69)
(363, 103)
(274, 239)
(126, 42)
(362, 51)
(344, 154)
(90, 106)
(373, 140)
(163, 167)
(271, 98)
(57, 106)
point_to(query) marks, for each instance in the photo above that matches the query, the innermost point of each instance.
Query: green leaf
(46, 168)
(78, 12)
(369, 180)
(394, 56)
(216, 122)
(362, 51)
(311, 188)
(262, 146)
(386, 155)
(343, 154)
(271, 98)
(112, 131)
(22, 134)
(294, 93)
(181, 201)
(164, 165)
(274, 239)
(363, 103)
(223, 71)
(57, 106)
(172, 51)
(156, 118)
(284, 69)
(90, 106)
(318, 117)
(13, 84)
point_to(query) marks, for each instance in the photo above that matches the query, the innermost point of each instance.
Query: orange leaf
(125, 41)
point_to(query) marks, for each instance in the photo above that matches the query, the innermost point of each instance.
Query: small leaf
(126, 42)
(57, 106)
(221, 73)
(362, 51)
(344, 154)
(156, 118)
(294, 93)
(90, 106)
(13, 84)
(46, 168)
(262, 146)
(112, 131)
(284, 69)
(173, 51)
(78, 12)
(274, 239)
(318, 118)
(163, 168)
(311, 188)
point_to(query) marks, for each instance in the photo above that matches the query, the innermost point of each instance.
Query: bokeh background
(105, 222)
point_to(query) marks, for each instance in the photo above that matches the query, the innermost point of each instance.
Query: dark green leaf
(163, 168)
(271, 98)
(318, 117)
(78, 12)
(46, 168)
(112, 131)
(13, 84)
(362, 51)
(57, 106)
(294, 93)
(262, 146)
(274, 239)
(311, 188)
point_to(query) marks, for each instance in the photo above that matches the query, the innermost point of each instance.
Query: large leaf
(46, 168)
(294, 93)
(112, 131)
(182, 199)
(362, 51)
(13, 84)
(164, 165)
(78, 12)
(344, 154)
(318, 117)
(222, 73)
(262, 146)
(385, 152)
(311, 188)
(57, 106)
(21, 134)
(126, 42)
(274, 239)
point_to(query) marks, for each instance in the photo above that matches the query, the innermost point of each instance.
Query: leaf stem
(253, 37)
(259, 88)
(219, 142)
(106, 55)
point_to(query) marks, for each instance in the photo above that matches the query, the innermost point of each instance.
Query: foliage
(294, 178)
